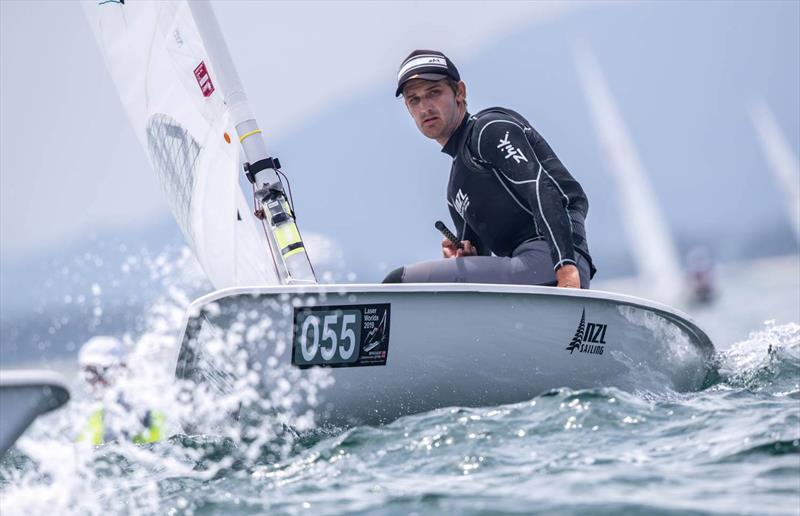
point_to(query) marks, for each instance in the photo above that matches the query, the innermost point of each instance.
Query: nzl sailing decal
(203, 79)
(341, 336)
(589, 337)
(511, 151)
(461, 202)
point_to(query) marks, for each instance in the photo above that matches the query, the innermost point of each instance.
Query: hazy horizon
(684, 76)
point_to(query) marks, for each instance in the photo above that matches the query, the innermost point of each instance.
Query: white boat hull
(445, 345)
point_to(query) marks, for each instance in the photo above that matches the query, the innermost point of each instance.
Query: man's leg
(530, 265)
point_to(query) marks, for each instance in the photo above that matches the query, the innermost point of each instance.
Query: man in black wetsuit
(508, 193)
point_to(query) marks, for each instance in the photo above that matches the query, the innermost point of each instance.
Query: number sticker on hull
(341, 336)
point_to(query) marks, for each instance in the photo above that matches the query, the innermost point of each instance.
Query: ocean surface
(732, 448)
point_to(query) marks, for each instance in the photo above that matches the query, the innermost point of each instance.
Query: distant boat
(649, 237)
(780, 157)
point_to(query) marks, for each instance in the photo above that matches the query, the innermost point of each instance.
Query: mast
(783, 162)
(287, 246)
(648, 234)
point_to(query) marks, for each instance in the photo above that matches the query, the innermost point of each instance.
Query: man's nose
(425, 104)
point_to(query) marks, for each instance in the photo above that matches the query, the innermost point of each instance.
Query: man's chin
(431, 132)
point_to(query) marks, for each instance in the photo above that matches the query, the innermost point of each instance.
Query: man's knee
(396, 276)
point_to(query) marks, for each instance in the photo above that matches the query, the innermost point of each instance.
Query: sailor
(700, 269)
(518, 212)
(103, 364)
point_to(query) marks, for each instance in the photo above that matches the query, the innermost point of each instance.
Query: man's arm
(502, 144)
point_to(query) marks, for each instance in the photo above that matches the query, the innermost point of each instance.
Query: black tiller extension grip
(448, 234)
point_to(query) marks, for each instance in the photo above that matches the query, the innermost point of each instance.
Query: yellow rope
(251, 133)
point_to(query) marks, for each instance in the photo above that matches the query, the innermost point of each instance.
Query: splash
(676, 354)
(767, 360)
(49, 472)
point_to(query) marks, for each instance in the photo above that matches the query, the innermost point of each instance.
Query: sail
(650, 239)
(166, 82)
(781, 159)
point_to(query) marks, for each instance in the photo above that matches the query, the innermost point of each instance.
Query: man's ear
(461, 91)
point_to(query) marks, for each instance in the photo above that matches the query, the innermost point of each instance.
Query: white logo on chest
(461, 202)
(511, 151)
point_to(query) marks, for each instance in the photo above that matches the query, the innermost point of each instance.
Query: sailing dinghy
(366, 353)
(390, 350)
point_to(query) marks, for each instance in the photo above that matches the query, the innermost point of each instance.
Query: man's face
(436, 108)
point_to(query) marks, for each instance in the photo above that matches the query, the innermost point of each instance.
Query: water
(733, 448)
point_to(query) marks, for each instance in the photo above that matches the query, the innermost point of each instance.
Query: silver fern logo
(461, 202)
(577, 340)
(589, 337)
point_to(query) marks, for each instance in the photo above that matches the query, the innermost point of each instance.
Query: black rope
(263, 220)
(289, 190)
(291, 205)
(294, 216)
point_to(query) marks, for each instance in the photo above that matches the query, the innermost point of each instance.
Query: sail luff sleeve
(295, 265)
(218, 51)
(233, 91)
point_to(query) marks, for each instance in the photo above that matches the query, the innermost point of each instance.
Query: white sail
(166, 81)
(782, 160)
(648, 234)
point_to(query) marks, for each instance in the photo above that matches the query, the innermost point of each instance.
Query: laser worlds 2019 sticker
(341, 336)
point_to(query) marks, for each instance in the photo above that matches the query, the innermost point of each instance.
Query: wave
(768, 360)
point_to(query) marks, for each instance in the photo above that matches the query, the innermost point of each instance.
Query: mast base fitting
(271, 192)
(251, 169)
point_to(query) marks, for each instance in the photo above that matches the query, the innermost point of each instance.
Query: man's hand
(568, 277)
(449, 249)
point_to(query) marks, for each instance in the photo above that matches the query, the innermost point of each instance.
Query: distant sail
(782, 160)
(649, 236)
(166, 82)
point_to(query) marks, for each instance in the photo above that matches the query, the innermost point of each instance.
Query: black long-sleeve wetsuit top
(507, 187)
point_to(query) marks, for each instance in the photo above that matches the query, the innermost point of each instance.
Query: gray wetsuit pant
(530, 264)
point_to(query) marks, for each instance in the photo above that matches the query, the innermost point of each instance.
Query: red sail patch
(203, 79)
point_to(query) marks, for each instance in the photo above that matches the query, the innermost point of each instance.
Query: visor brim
(423, 76)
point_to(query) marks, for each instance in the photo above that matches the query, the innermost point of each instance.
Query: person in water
(114, 418)
(509, 195)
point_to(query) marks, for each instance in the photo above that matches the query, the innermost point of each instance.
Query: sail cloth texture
(165, 80)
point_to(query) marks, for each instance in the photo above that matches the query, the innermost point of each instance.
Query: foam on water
(49, 471)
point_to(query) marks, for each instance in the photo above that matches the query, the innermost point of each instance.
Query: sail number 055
(328, 338)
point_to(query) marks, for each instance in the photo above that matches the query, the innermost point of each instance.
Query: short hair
(454, 86)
